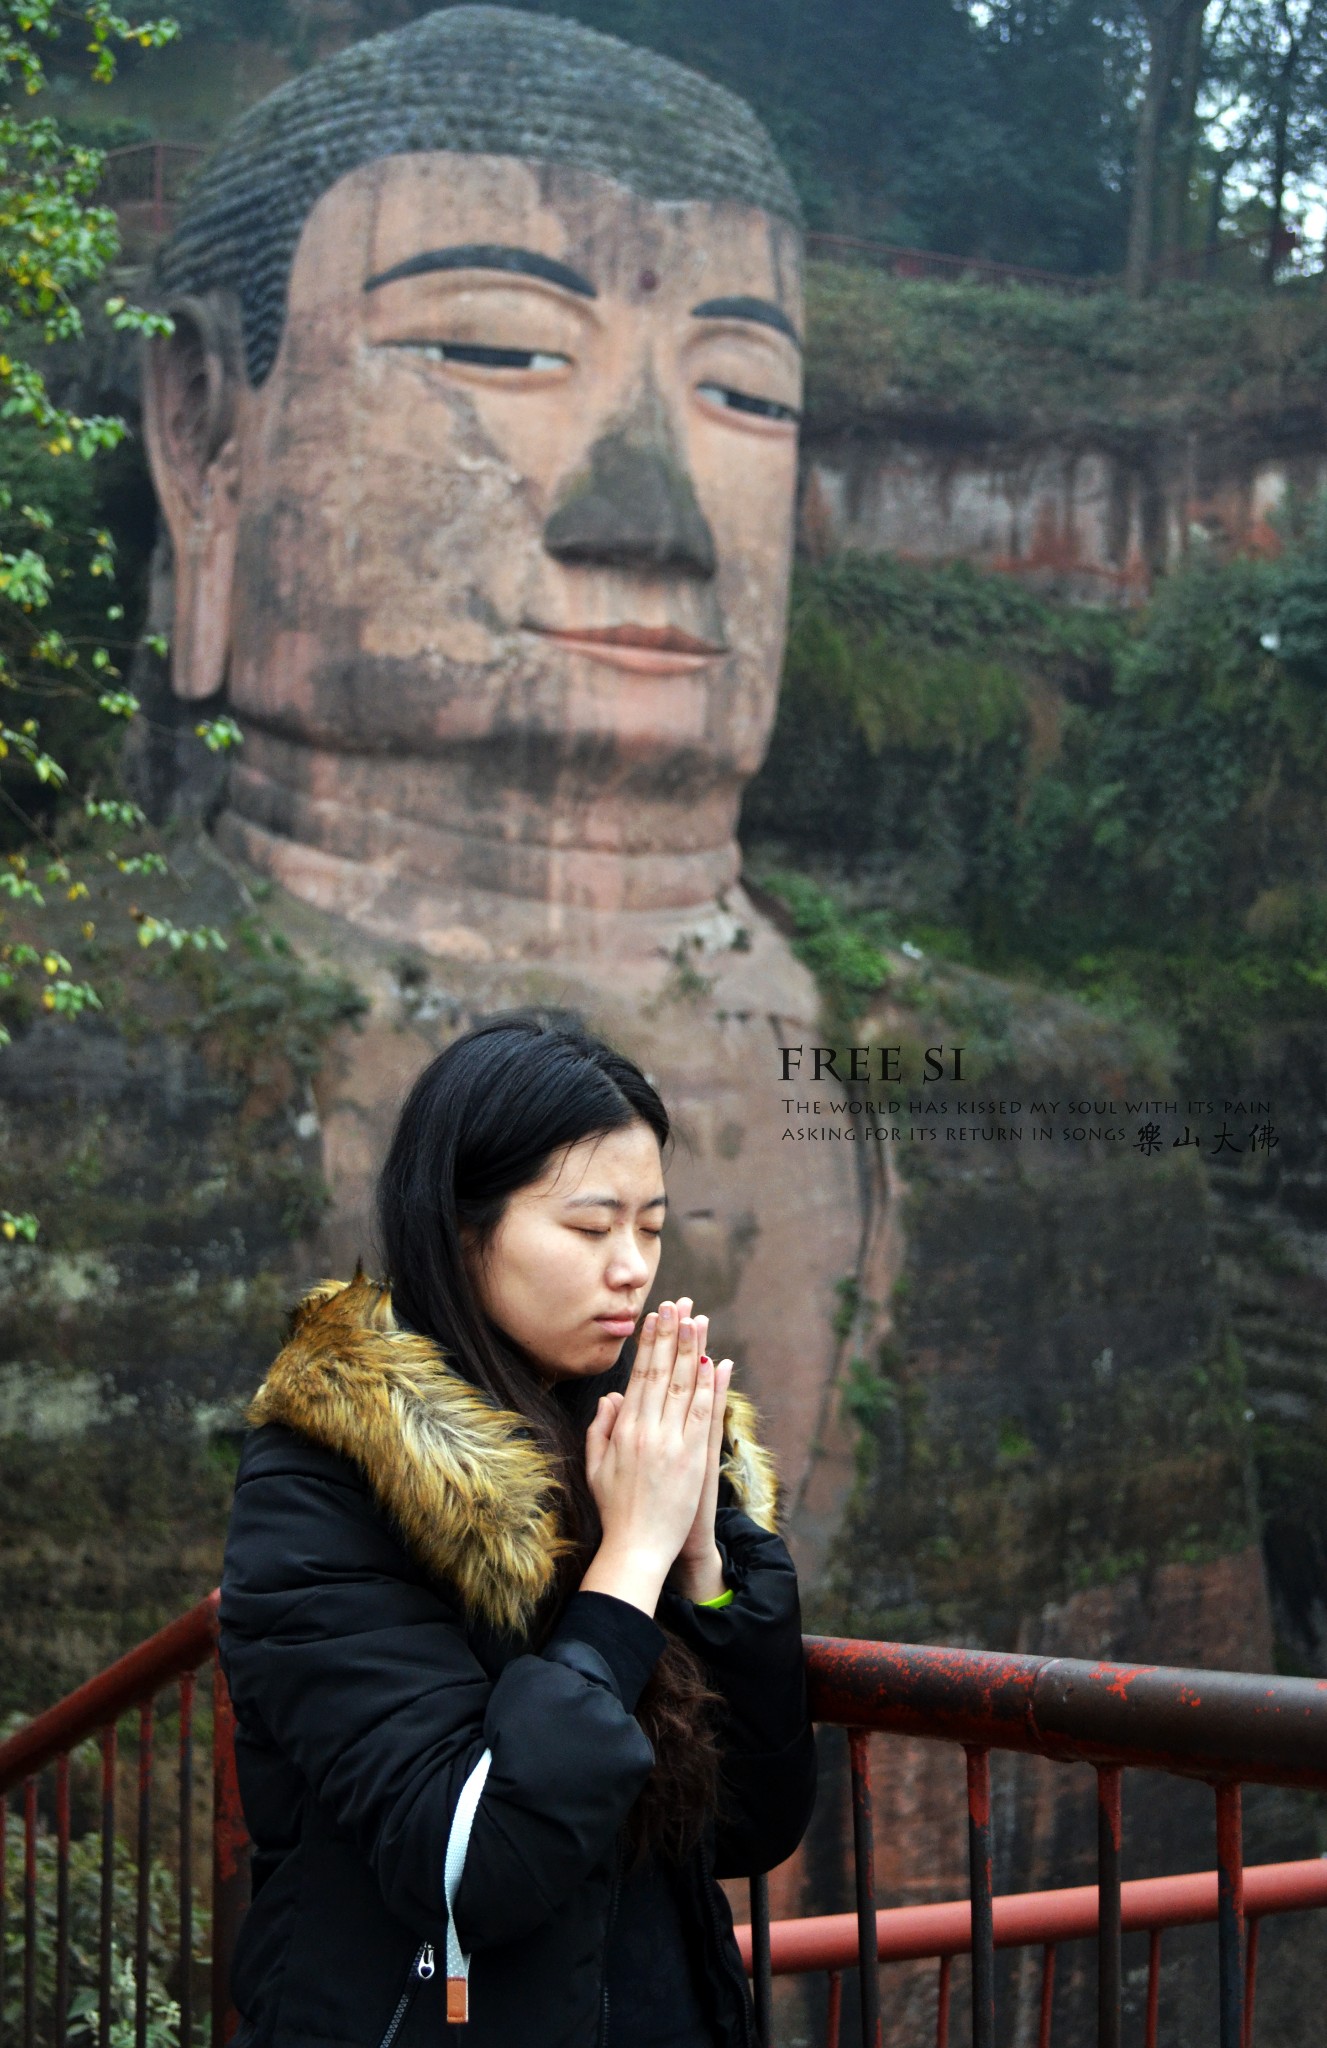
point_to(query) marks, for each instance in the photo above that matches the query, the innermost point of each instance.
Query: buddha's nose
(633, 506)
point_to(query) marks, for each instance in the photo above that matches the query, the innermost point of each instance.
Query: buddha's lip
(653, 650)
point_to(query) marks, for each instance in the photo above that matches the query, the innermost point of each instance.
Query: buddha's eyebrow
(487, 256)
(611, 1202)
(762, 310)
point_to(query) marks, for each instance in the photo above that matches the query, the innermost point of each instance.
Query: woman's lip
(618, 1326)
(642, 650)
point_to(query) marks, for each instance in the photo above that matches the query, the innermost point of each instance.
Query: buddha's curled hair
(482, 80)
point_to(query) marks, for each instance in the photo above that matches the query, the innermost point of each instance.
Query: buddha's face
(520, 485)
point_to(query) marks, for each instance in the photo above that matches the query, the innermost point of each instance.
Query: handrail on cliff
(1227, 1728)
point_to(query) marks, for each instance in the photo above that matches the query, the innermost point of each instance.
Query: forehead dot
(648, 281)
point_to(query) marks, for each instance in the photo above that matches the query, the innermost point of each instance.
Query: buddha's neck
(405, 846)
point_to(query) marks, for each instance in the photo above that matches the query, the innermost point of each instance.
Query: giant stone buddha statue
(476, 440)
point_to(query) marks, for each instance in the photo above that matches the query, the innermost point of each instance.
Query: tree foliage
(1076, 135)
(58, 610)
(1271, 57)
(1105, 801)
(84, 1907)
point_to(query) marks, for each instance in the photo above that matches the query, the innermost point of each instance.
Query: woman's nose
(629, 1266)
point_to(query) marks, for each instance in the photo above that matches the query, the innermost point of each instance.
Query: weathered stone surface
(171, 1156)
(760, 1240)
(1095, 519)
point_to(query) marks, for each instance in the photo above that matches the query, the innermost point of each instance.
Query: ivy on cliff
(1126, 806)
(1017, 359)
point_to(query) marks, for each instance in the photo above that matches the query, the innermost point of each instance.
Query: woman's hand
(698, 1572)
(647, 1457)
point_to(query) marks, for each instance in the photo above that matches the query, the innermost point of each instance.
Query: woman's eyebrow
(487, 256)
(612, 1202)
(763, 311)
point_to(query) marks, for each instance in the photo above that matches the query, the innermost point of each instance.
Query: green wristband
(720, 1599)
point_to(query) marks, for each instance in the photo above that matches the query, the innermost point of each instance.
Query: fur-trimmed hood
(473, 1496)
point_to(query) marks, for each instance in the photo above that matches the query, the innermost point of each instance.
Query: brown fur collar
(472, 1495)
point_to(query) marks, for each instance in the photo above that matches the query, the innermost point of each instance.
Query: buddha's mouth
(643, 650)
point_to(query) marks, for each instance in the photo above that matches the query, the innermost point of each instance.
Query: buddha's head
(476, 440)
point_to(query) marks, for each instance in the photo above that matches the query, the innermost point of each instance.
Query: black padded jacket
(389, 1536)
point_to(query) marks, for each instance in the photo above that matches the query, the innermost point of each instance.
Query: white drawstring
(458, 1841)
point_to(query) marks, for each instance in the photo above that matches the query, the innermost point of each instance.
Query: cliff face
(1068, 512)
(1051, 1443)
(1084, 444)
(173, 1158)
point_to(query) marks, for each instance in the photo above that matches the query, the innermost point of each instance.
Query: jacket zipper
(420, 1971)
(608, 1929)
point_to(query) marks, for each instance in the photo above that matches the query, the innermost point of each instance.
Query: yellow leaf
(50, 964)
(10, 1229)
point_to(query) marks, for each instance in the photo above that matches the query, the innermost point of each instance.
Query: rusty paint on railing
(182, 1646)
(1202, 1724)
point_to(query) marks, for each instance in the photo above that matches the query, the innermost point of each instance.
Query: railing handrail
(1248, 1726)
(910, 1934)
(1013, 273)
(1256, 1727)
(179, 1647)
(124, 149)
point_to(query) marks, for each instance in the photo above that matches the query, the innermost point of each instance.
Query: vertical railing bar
(29, 1913)
(230, 1857)
(942, 2002)
(106, 1919)
(762, 1973)
(1230, 1911)
(187, 1683)
(4, 1905)
(142, 1922)
(61, 1900)
(1108, 1905)
(979, 1885)
(863, 1852)
(834, 2010)
(1048, 1955)
(1250, 1980)
(1153, 1987)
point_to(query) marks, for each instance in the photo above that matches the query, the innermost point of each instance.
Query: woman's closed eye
(645, 1230)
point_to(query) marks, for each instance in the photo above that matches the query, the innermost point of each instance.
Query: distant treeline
(1076, 135)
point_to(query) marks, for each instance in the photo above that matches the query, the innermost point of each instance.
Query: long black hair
(482, 1120)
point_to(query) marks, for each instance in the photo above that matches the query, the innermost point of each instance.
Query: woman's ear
(191, 387)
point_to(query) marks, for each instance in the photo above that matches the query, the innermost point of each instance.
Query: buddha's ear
(191, 385)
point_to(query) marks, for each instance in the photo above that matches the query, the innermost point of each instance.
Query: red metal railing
(144, 181)
(902, 261)
(1227, 1728)
(132, 1686)
(1232, 253)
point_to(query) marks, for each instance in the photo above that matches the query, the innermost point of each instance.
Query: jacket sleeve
(752, 1652)
(356, 1665)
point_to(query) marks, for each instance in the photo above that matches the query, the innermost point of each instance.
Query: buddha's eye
(484, 358)
(744, 401)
